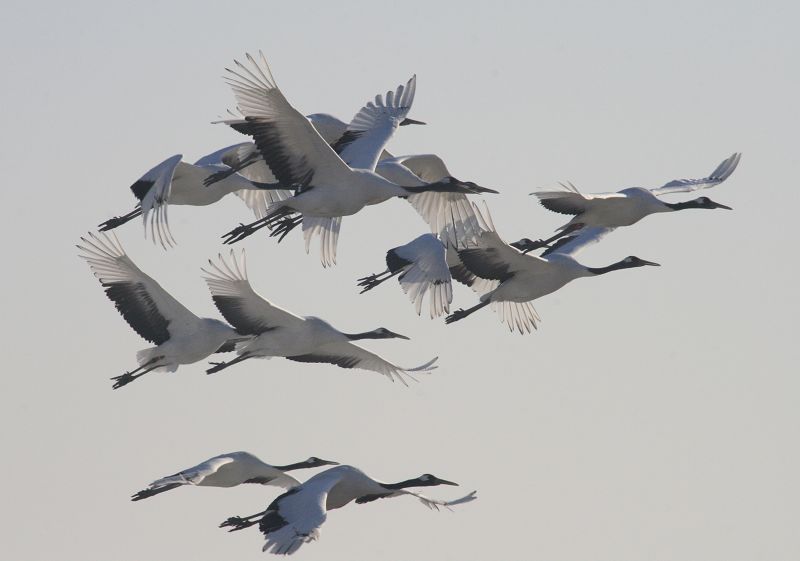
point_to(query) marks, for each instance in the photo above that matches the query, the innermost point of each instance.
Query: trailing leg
(462, 313)
(112, 223)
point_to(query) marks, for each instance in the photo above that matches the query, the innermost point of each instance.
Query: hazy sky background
(653, 415)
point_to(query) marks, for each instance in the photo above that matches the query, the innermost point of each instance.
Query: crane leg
(462, 313)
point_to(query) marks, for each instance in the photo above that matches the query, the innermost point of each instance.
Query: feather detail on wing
(573, 243)
(145, 305)
(235, 298)
(194, 475)
(427, 272)
(288, 142)
(295, 517)
(156, 200)
(570, 200)
(372, 127)
(720, 174)
(328, 231)
(347, 355)
(434, 504)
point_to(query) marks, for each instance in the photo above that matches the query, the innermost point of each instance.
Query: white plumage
(230, 470)
(180, 336)
(295, 517)
(327, 187)
(512, 279)
(278, 332)
(422, 268)
(174, 182)
(607, 211)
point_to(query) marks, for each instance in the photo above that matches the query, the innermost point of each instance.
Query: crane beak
(717, 205)
(408, 121)
(329, 463)
(474, 187)
(446, 482)
(398, 336)
(650, 263)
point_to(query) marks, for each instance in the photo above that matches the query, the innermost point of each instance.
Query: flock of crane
(311, 171)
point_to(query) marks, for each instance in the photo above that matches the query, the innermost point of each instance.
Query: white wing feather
(111, 265)
(156, 201)
(237, 300)
(373, 126)
(720, 174)
(428, 273)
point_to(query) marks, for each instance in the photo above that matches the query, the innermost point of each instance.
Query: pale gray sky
(653, 415)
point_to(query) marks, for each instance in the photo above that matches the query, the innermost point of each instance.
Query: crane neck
(290, 467)
(357, 336)
(401, 484)
(681, 206)
(603, 270)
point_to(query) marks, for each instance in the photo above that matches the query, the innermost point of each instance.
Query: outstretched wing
(720, 174)
(449, 215)
(491, 261)
(289, 144)
(153, 190)
(428, 167)
(428, 272)
(295, 517)
(570, 200)
(245, 159)
(434, 504)
(195, 474)
(347, 355)
(149, 309)
(236, 300)
(370, 130)
(572, 244)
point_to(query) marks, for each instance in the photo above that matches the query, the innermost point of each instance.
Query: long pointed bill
(408, 121)
(717, 205)
(475, 188)
(650, 263)
(445, 482)
(398, 336)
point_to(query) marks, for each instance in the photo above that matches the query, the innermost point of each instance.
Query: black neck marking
(403, 484)
(365, 335)
(290, 467)
(613, 267)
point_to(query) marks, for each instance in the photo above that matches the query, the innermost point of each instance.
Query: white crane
(203, 183)
(180, 336)
(230, 470)
(509, 279)
(295, 517)
(327, 188)
(278, 332)
(422, 268)
(604, 212)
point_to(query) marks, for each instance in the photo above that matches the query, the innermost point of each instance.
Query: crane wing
(194, 475)
(572, 244)
(569, 200)
(294, 518)
(347, 355)
(362, 143)
(152, 190)
(434, 504)
(149, 309)
(288, 142)
(235, 298)
(720, 174)
(428, 167)
(428, 272)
